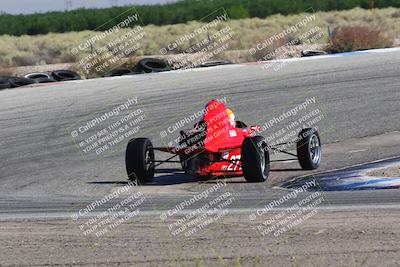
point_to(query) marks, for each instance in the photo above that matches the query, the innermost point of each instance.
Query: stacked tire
(40, 77)
(4, 83)
(119, 72)
(149, 65)
(65, 75)
(13, 82)
(214, 63)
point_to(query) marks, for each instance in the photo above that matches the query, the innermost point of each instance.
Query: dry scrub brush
(56, 47)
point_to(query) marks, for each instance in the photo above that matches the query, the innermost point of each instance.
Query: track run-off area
(47, 180)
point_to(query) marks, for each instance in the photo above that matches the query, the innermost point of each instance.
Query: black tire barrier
(65, 75)
(37, 75)
(214, 63)
(138, 72)
(119, 72)
(20, 81)
(4, 83)
(45, 80)
(310, 53)
(149, 65)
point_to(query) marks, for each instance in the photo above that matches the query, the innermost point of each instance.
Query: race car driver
(231, 116)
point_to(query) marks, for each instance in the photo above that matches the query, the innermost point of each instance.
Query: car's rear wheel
(139, 160)
(255, 159)
(309, 151)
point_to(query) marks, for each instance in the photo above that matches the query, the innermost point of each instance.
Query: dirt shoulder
(391, 172)
(329, 238)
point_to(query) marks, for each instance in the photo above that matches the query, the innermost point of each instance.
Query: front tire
(309, 149)
(255, 159)
(139, 160)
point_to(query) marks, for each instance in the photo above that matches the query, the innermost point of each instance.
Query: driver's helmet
(231, 116)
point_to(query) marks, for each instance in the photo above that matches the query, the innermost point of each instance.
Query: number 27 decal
(234, 165)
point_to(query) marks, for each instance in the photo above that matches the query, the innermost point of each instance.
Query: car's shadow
(286, 170)
(170, 177)
(176, 176)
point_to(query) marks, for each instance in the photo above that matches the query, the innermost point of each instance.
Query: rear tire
(309, 149)
(139, 160)
(255, 159)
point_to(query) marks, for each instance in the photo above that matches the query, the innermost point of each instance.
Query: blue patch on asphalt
(347, 54)
(350, 179)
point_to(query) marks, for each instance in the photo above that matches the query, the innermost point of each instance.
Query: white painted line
(68, 215)
(356, 151)
(382, 50)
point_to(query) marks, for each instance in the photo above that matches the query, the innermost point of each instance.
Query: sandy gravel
(386, 172)
(329, 238)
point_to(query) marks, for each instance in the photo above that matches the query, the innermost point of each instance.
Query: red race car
(216, 146)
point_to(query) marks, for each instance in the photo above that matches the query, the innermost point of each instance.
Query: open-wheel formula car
(217, 147)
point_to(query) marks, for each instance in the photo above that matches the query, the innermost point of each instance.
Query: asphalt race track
(358, 93)
(44, 173)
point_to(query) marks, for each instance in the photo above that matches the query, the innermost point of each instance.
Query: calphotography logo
(110, 48)
(203, 44)
(292, 126)
(185, 220)
(188, 121)
(280, 46)
(106, 214)
(109, 129)
(200, 133)
(277, 217)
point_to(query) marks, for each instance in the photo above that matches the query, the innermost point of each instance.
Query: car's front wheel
(255, 159)
(309, 151)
